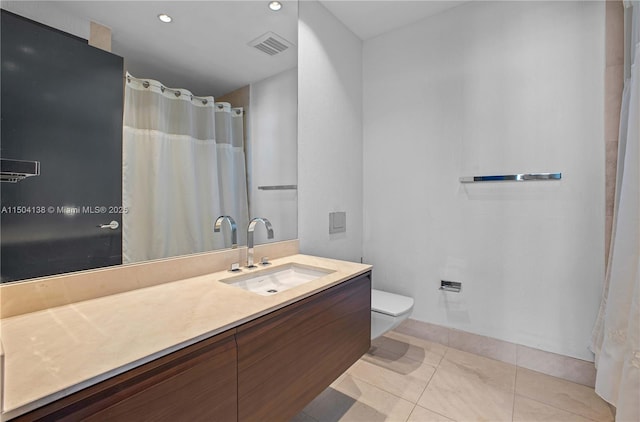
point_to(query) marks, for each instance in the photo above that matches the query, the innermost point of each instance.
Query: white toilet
(388, 310)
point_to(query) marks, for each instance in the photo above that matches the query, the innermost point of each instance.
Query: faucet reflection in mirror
(250, 229)
(184, 164)
(232, 224)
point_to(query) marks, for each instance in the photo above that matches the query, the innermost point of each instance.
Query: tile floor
(407, 379)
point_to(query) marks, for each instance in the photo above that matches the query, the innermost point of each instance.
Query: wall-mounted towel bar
(278, 187)
(524, 177)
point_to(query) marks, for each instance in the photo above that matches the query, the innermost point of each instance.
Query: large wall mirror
(205, 125)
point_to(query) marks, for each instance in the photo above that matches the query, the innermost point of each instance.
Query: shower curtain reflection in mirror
(183, 166)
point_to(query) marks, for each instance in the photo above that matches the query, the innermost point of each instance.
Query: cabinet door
(286, 358)
(197, 383)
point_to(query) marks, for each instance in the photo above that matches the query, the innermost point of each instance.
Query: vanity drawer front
(197, 383)
(287, 358)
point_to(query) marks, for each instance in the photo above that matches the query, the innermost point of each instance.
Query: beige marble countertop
(55, 352)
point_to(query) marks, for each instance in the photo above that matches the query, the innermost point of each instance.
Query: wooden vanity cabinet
(197, 383)
(266, 370)
(288, 357)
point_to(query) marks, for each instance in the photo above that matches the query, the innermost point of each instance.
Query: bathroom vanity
(261, 358)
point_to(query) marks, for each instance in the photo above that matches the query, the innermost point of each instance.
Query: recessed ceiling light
(165, 18)
(275, 5)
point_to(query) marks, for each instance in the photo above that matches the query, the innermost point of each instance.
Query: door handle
(113, 225)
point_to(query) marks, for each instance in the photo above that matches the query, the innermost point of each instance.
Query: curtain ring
(178, 93)
(161, 88)
(146, 84)
(204, 101)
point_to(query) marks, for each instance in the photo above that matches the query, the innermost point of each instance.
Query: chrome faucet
(250, 229)
(234, 230)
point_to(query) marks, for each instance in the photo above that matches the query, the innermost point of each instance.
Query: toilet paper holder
(450, 286)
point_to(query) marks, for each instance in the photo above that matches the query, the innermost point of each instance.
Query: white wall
(490, 88)
(329, 133)
(272, 153)
(49, 14)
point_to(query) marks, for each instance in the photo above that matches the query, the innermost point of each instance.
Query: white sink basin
(269, 281)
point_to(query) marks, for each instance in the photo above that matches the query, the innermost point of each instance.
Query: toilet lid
(390, 303)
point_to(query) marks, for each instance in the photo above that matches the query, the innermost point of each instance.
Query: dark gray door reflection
(62, 106)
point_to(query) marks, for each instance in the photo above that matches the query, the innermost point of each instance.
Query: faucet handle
(265, 260)
(235, 267)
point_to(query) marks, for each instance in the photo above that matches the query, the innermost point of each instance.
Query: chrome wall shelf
(13, 171)
(523, 177)
(278, 187)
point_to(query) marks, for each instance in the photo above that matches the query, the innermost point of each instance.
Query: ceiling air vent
(271, 43)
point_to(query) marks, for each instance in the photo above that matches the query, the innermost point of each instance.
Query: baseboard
(564, 367)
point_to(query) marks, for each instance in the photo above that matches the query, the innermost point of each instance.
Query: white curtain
(232, 164)
(616, 339)
(183, 166)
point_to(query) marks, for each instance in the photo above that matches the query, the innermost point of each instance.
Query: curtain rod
(177, 92)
